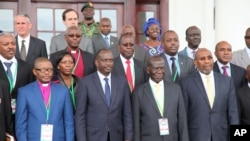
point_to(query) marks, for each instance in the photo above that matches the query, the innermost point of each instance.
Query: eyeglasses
(43, 70)
(74, 35)
(128, 44)
(247, 37)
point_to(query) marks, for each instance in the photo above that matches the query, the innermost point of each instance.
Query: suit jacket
(243, 104)
(241, 58)
(23, 76)
(31, 113)
(237, 73)
(186, 67)
(88, 60)
(5, 111)
(146, 114)
(204, 122)
(37, 48)
(99, 43)
(59, 43)
(140, 54)
(94, 119)
(139, 70)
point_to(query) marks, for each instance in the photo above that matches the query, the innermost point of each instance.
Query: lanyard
(11, 82)
(78, 57)
(47, 106)
(87, 33)
(72, 93)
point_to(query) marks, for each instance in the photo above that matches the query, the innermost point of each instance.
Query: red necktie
(224, 68)
(129, 76)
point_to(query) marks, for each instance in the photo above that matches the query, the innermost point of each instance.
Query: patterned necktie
(175, 75)
(129, 75)
(107, 91)
(23, 51)
(193, 53)
(224, 68)
(210, 90)
(107, 41)
(9, 73)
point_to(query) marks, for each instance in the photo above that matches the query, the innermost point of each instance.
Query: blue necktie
(107, 41)
(107, 91)
(9, 73)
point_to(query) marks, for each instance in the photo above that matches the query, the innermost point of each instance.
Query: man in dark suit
(13, 71)
(84, 60)
(223, 52)
(193, 38)
(244, 100)
(5, 111)
(126, 65)
(210, 101)
(58, 42)
(139, 53)
(104, 39)
(28, 47)
(44, 109)
(152, 107)
(177, 66)
(103, 107)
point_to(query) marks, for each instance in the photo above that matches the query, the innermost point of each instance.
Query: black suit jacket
(24, 76)
(88, 60)
(243, 95)
(140, 73)
(146, 114)
(237, 73)
(37, 48)
(5, 111)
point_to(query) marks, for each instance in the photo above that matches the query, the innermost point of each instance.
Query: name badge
(46, 132)
(13, 106)
(163, 126)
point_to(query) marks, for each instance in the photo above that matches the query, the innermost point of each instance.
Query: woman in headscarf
(152, 30)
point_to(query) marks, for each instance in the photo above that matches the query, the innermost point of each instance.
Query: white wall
(231, 20)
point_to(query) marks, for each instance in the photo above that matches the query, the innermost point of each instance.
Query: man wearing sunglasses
(242, 57)
(84, 60)
(58, 42)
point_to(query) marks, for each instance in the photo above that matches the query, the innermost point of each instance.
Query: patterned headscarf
(149, 23)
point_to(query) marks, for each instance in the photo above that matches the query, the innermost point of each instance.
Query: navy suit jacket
(205, 122)
(31, 113)
(5, 111)
(88, 60)
(243, 95)
(139, 69)
(94, 119)
(146, 114)
(37, 48)
(237, 73)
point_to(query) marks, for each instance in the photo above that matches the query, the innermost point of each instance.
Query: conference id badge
(46, 132)
(163, 126)
(13, 106)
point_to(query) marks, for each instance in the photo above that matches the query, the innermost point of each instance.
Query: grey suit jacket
(59, 43)
(37, 48)
(241, 58)
(205, 122)
(140, 54)
(99, 43)
(94, 119)
(186, 67)
(146, 114)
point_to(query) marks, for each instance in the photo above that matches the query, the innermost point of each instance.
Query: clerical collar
(73, 51)
(43, 84)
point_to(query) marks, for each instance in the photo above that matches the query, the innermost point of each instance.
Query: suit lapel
(53, 97)
(137, 71)
(102, 41)
(166, 98)
(99, 88)
(151, 97)
(38, 95)
(114, 84)
(17, 49)
(3, 74)
(168, 75)
(245, 57)
(199, 83)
